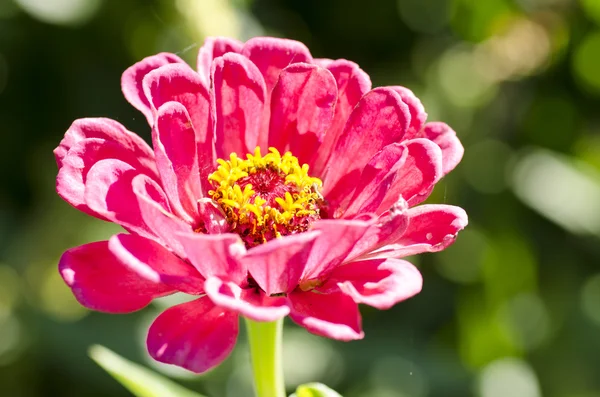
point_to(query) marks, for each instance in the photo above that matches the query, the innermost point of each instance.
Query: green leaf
(315, 390)
(139, 380)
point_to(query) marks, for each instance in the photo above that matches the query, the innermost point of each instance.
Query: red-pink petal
(132, 78)
(380, 283)
(302, 107)
(109, 192)
(271, 55)
(277, 265)
(446, 139)
(155, 263)
(247, 302)
(417, 111)
(431, 228)
(352, 83)
(177, 160)
(215, 47)
(415, 179)
(100, 281)
(379, 118)
(238, 102)
(333, 315)
(216, 255)
(108, 130)
(195, 335)
(337, 239)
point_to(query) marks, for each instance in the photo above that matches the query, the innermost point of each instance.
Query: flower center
(266, 197)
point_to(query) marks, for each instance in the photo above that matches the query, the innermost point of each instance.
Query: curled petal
(132, 78)
(379, 118)
(238, 102)
(416, 109)
(380, 283)
(101, 281)
(155, 263)
(216, 255)
(431, 228)
(302, 107)
(196, 335)
(215, 47)
(177, 159)
(333, 315)
(212, 216)
(446, 139)
(276, 266)
(247, 302)
(352, 83)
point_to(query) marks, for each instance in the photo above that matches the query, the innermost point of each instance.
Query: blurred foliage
(512, 309)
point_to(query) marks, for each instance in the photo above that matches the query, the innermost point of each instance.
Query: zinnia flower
(277, 185)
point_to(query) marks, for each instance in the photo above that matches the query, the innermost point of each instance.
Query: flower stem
(265, 350)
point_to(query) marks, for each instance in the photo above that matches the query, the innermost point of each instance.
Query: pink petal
(415, 179)
(375, 180)
(108, 130)
(431, 228)
(333, 315)
(271, 55)
(195, 335)
(72, 176)
(215, 47)
(212, 217)
(352, 84)
(446, 139)
(277, 265)
(216, 255)
(337, 239)
(302, 107)
(100, 281)
(379, 118)
(380, 283)
(109, 192)
(155, 263)
(177, 160)
(238, 102)
(247, 302)
(154, 209)
(132, 78)
(179, 83)
(416, 109)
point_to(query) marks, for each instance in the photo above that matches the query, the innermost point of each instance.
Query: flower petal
(337, 239)
(195, 335)
(238, 102)
(446, 139)
(333, 315)
(379, 118)
(431, 228)
(216, 255)
(276, 266)
(415, 179)
(215, 47)
(416, 109)
(177, 160)
(302, 107)
(247, 302)
(352, 83)
(100, 281)
(380, 283)
(108, 130)
(132, 78)
(271, 55)
(155, 263)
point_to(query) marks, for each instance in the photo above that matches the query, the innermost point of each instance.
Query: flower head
(277, 185)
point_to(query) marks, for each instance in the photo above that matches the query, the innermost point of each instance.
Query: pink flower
(278, 184)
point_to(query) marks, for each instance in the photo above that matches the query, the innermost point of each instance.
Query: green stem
(265, 350)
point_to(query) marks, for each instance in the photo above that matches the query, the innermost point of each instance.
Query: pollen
(266, 197)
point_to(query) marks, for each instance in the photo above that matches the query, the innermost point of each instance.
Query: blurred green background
(511, 310)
